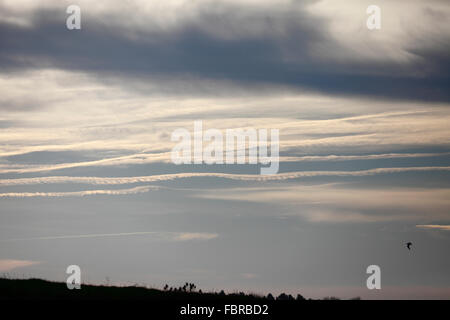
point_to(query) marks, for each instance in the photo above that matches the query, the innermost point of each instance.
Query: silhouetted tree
(300, 297)
(283, 296)
(270, 297)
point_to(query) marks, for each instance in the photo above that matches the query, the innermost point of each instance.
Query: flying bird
(408, 245)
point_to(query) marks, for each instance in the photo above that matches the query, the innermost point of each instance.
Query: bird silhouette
(408, 245)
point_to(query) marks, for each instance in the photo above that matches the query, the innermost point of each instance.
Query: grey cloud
(277, 58)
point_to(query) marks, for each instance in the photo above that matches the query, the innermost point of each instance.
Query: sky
(86, 118)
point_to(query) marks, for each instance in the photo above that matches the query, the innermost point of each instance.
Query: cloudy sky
(86, 118)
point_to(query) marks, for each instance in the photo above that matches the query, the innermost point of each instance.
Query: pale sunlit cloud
(118, 192)
(195, 236)
(10, 264)
(90, 116)
(434, 227)
(239, 177)
(165, 157)
(173, 236)
(339, 203)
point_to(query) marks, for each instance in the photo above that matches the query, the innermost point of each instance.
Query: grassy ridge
(37, 289)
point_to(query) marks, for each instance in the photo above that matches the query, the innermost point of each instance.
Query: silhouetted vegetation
(41, 289)
(331, 298)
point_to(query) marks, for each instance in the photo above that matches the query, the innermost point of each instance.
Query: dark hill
(37, 289)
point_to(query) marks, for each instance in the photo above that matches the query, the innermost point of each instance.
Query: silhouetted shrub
(331, 298)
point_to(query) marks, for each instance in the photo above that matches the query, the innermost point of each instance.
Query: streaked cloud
(10, 264)
(242, 177)
(77, 113)
(344, 203)
(78, 193)
(195, 236)
(144, 158)
(434, 226)
(175, 236)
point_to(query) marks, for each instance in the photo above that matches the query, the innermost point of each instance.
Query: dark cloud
(105, 50)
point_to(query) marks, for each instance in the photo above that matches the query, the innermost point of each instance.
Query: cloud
(434, 226)
(308, 45)
(195, 236)
(140, 158)
(9, 264)
(175, 236)
(78, 193)
(145, 158)
(360, 157)
(344, 203)
(79, 119)
(239, 177)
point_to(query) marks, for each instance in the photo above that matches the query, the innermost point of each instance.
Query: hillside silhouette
(38, 289)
